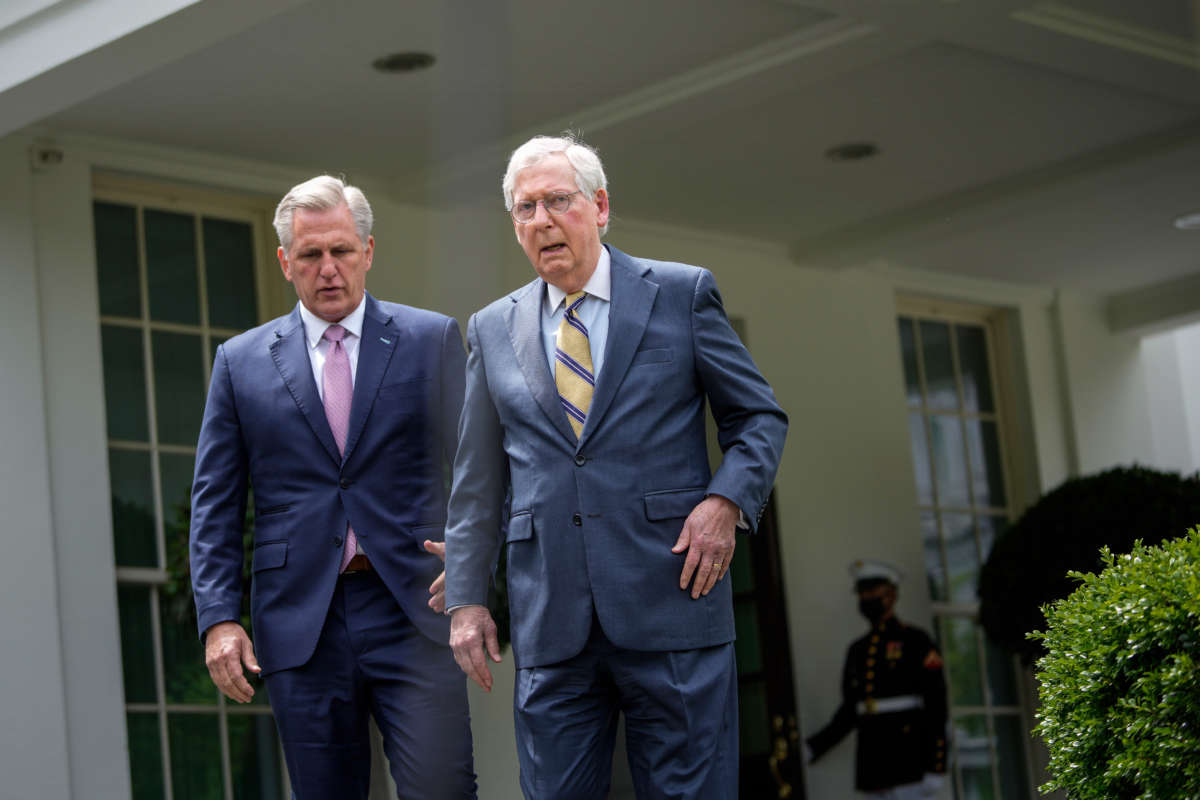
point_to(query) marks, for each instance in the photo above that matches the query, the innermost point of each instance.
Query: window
(178, 274)
(958, 437)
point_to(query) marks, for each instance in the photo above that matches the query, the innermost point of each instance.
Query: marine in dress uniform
(894, 693)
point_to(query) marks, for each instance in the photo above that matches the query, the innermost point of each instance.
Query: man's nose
(328, 265)
(540, 209)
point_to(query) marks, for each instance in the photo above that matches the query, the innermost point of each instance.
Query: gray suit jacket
(592, 521)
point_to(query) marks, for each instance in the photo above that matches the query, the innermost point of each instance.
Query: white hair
(589, 172)
(318, 194)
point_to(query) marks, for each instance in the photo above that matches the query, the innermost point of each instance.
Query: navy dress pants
(371, 660)
(681, 722)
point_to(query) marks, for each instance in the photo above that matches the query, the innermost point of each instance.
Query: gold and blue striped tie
(573, 365)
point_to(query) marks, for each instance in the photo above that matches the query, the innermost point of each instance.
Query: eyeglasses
(559, 203)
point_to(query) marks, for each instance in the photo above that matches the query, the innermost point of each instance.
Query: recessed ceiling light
(1188, 222)
(852, 151)
(409, 61)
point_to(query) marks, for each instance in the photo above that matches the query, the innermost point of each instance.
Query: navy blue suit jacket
(264, 425)
(593, 521)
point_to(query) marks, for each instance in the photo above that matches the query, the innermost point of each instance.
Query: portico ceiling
(1047, 142)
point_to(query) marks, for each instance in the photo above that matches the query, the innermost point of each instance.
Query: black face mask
(871, 608)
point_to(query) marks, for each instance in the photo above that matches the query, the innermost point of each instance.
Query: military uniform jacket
(894, 693)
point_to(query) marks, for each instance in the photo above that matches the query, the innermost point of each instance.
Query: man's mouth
(554, 248)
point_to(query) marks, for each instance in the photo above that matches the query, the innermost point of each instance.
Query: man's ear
(284, 264)
(601, 207)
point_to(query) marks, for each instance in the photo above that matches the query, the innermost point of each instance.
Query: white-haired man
(585, 403)
(341, 416)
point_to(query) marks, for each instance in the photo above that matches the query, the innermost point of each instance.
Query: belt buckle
(871, 705)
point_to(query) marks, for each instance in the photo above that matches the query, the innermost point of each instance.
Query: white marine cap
(866, 569)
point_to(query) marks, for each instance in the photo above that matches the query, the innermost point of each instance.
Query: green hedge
(1120, 681)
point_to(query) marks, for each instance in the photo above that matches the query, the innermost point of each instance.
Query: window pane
(908, 352)
(171, 267)
(178, 386)
(962, 661)
(748, 642)
(195, 756)
(974, 757)
(132, 508)
(973, 360)
(949, 461)
(987, 474)
(145, 756)
(1002, 675)
(254, 757)
(176, 470)
(229, 272)
(934, 570)
(920, 456)
(939, 366)
(962, 557)
(1010, 754)
(117, 259)
(124, 383)
(752, 710)
(137, 646)
(187, 678)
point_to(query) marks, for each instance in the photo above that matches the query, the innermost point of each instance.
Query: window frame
(997, 326)
(271, 301)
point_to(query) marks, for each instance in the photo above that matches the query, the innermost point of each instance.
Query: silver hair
(589, 172)
(318, 194)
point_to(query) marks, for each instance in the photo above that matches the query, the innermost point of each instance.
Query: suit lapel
(525, 330)
(628, 313)
(379, 338)
(289, 351)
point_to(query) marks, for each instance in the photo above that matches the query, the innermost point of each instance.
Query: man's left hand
(438, 587)
(708, 536)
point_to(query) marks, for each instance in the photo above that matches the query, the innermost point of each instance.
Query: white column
(75, 426)
(33, 738)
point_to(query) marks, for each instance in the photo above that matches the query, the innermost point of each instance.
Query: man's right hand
(226, 649)
(472, 630)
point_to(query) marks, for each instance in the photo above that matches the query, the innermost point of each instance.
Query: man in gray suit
(585, 405)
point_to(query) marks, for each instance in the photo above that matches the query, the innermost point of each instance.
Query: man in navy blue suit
(342, 417)
(585, 402)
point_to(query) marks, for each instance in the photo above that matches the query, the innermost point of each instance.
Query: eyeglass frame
(567, 195)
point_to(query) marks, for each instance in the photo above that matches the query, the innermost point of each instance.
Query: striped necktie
(573, 365)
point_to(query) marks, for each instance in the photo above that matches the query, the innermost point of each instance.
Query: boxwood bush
(1120, 681)
(1063, 531)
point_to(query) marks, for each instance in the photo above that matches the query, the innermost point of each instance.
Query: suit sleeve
(751, 427)
(474, 518)
(453, 369)
(844, 720)
(218, 505)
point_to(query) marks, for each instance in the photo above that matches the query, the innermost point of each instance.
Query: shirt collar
(599, 285)
(314, 326)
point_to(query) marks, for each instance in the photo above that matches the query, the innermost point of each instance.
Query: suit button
(577, 519)
(337, 541)
(344, 483)
(580, 460)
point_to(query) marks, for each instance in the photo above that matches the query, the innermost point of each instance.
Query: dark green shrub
(1064, 531)
(1120, 683)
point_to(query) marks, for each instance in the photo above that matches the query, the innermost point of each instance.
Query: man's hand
(226, 649)
(472, 630)
(708, 536)
(438, 587)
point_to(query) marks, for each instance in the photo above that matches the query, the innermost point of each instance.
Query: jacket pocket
(673, 503)
(270, 555)
(269, 510)
(657, 355)
(520, 527)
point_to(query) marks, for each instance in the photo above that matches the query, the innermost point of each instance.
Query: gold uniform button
(870, 675)
(870, 662)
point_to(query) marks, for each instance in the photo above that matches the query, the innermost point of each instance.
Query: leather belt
(358, 564)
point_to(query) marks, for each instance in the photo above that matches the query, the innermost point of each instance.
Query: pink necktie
(339, 390)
